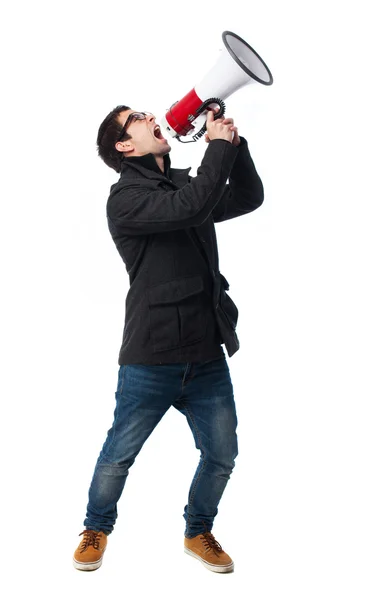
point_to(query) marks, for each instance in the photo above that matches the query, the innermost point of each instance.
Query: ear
(124, 146)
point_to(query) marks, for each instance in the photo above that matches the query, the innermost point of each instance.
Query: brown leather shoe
(90, 551)
(205, 548)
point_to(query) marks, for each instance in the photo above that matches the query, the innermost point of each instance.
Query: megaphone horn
(237, 66)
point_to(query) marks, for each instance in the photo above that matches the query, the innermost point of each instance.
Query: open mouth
(158, 133)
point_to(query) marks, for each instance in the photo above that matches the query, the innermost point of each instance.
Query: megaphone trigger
(217, 112)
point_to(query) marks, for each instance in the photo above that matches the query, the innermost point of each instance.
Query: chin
(166, 148)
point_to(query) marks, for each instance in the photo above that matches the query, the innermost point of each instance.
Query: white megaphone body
(238, 65)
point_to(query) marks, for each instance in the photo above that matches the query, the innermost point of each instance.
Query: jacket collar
(148, 167)
(148, 161)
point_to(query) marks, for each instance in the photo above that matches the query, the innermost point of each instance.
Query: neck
(160, 162)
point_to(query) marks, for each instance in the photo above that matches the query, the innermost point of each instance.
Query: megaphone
(237, 66)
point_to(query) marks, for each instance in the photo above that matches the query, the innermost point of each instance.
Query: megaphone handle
(217, 115)
(201, 109)
(207, 103)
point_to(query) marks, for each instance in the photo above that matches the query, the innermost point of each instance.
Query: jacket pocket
(177, 313)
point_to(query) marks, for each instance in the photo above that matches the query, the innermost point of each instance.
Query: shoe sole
(88, 566)
(211, 566)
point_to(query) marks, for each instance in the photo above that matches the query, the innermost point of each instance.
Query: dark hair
(108, 133)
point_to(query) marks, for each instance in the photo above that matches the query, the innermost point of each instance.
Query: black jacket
(177, 309)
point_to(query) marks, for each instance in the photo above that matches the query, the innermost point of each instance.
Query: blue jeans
(203, 392)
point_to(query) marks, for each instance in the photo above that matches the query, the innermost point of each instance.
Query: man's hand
(234, 139)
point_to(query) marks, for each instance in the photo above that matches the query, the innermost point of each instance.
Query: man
(177, 316)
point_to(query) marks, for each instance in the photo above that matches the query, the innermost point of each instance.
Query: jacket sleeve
(134, 209)
(244, 192)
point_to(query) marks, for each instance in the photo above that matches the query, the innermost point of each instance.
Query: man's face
(145, 137)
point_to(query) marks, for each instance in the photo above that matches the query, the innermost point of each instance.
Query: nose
(150, 118)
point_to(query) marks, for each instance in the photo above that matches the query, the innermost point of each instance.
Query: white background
(305, 512)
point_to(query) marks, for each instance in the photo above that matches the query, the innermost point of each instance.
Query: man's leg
(207, 401)
(144, 394)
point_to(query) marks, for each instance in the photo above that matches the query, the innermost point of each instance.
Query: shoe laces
(92, 538)
(211, 543)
